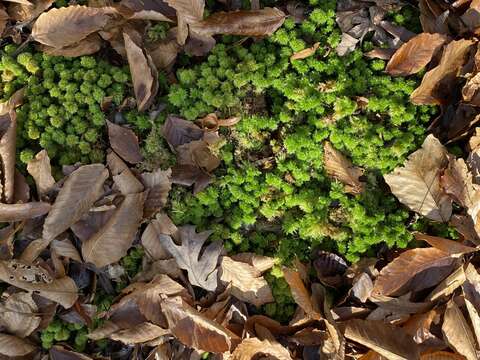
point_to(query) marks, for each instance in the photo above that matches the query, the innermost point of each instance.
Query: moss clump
(59, 330)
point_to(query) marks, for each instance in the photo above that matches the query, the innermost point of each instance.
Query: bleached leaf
(8, 131)
(259, 262)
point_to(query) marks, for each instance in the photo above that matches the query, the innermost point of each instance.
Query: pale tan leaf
(62, 290)
(41, 171)
(414, 270)
(67, 26)
(417, 184)
(451, 247)
(139, 333)
(190, 10)
(12, 346)
(81, 189)
(247, 284)
(341, 169)
(19, 314)
(112, 241)
(262, 22)
(252, 347)
(124, 142)
(471, 293)
(387, 340)
(8, 131)
(65, 249)
(151, 241)
(300, 293)
(158, 184)
(437, 84)
(108, 328)
(259, 262)
(19, 212)
(90, 45)
(457, 332)
(302, 54)
(127, 183)
(415, 54)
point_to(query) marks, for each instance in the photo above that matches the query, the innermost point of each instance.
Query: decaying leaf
(139, 334)
(124, 142)
(41, 171)
(448, 246)
(414, 55)
(19, 212)
(201, 268)
(59, 353)
(247, 283)
(151, 240)
(19, 314)
(417, 184)
(8, 126)
(178, 131)
(189, 175)
(340, 168)
(302, 54)
(252, 347)
(158, 184)
(12, 346)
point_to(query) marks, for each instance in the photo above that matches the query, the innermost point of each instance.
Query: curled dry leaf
(252, 347)
(41, 171)
(90, 45)
(19, 314)
(81, 189)
(139, 333)
(262, 22)
(112, 241)
(437, 84)
(417, 184)
(8, 130)
(12, 346)
(302, 54)
(124, 142)
(202, 269)
(340, 168)
(19, 212)
(67, 26)
(414, 55)
(247, 283)
(27, 12)
(414, 270)
(158, 184)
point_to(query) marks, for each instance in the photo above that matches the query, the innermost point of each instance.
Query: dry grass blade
(417, 184)
(112, 241)
(41, 171)
(124, 142)
(12, 346)
(387, 340)
(19, 212)
(250, 348)
(8, 130)
(457, 332)
(139, 334)
(414, 55)
(82, 188)
(19, 314)
(67, 26)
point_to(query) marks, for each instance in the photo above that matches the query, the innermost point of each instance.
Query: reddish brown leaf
(158, 184)
(448, 246)
(124, 142)
(302, 54)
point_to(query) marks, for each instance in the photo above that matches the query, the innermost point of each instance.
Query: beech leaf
(471, 293)
(451, 247)
(41, 171)
(12, 346)
(151, 237)
(90, 45)
(250, 348)
(417, 183)
(158, 184)
(178, 131)
(139, 333)
(415, 54)
(59, 353)
(124, 142)
(300, 293)
(19, 212)
(19, 314)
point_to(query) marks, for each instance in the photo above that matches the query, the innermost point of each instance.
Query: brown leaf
(457, 332)
(67, 26)
(81, 189)
(8, 131)
(362, 287)
(417, 184)
(139, 334)
(189, 175)
(159, 184)
(441, 355)
(66, 249)
(448, 285)
(112, 241)
(252, 347)
(19, 212)
(145, 10)
(448, 246)
(341, 169)
(471, 293)
(12, 346)
(124, 142)
(27, 277)
(59, 353)
(21, 189)
(247, 284)
(194, 330)
(27, 12)
(437, 84)
(164, 53)
(144, 73)
(302, 54)
(19, 314)
(151, 237)
(178, 131)
(465, 226)
(300, 293)
(259, 262)
(197, 153)
(262, 22)
(414, 270)
(414, 55)
(201, 268)
(127, 183)
(90, 45)
(41, 171)
(387, 340)
(190, 10)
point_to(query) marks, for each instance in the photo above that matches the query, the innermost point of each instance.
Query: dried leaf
(21, 190)
(417, 184)
(59, 353)
(437, 84)
(414, 270)
(252, 347)
(127, 183)
(41, 171)
(189, 175)
(201, 268)
(448, 246)
(62, 290)
(471, 293)
(90, 45)
(387, 340)
(12, 346)
(194, 330)
(139, 334)
(164, 53)
(197, 153)
(65, 249)
(414, 55)
(178, 131)
(300, 294)
(81, 189)
(124, 142)
(19, 212)
(8, 126)
(19, 314)
(441, 355)
(262, 22)
(159, 184)
(259, 262)
(247, 284)
(67, 26)
(151, 239)
(457, 332)
(112, 241)
(340, 168)
(302, 54)
(27, 12)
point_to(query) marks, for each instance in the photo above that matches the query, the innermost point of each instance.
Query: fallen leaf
(387, 340)
(59, 353)
(341, 169)
(67, 26)
(127, 183)
(21, 192)
(362, 287)
(201, 268)
(457, 333)
(188, 175)
(252, 347)
(247, 283)
(300, 293)
(190, 10)
(158, 184)
(259, 262)
(471, 293)
(302, 54)
(27, 12)
(66, 249)
(178, 131)
(414, 270)
(41, 171)
(448, 285)
(414, 55)
(19, 314)
(90, 45)
(437, 84)
(448, 246)
(12, 346)
(19, 212)
(441, 355)
(417, 184)
(112, 241)
(124, 142)
(151, 239)
(8, 126)
(139, 334)
(347, 44)
(146, 10)
(164, 53)
(197, 153)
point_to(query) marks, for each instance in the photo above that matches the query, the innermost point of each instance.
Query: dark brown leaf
(158, 184)
(178, 131)
(189, 175)
(124, 142)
